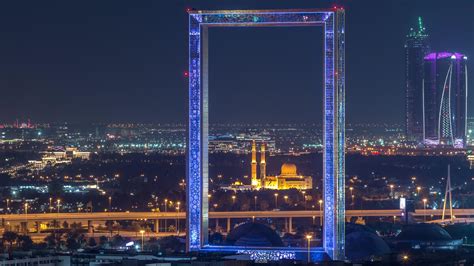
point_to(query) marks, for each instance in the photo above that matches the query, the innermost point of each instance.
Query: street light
(233, 199)
(50, 205)
(59, 202)
(391, 190)
(166, 209)
(26, 217)
(255, 202)
(320, 212)
(177, 218)
(276, 200)
(305, 198)
(286, 198)
(142, 232)
(308, 237)
(351, 189)
(110, 203)
(424, 209)
(405, 257)
(8, 205)
(418, 190)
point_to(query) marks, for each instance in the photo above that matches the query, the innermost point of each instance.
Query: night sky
(123, 61)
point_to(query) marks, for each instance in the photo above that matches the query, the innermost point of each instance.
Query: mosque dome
(363, 243)
(424, 232)
(460, 231)
(288, 169)
(254, 234)
(426, 237)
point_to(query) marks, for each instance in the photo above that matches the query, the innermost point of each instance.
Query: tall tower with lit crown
(263, 163)
(254, 164)
(416, 47)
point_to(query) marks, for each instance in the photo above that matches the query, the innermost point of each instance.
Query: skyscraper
(445, 90)
(416, 47)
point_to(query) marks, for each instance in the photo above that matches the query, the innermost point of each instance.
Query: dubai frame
(332, 21)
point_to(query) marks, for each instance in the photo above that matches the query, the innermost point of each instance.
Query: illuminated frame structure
(332, 21)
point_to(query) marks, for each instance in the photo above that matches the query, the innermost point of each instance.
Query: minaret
(254, 164)
(263, 163)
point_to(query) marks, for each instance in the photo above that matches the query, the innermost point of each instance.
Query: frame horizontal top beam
(263, 11)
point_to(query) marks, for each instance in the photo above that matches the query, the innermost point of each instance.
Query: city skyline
(130, 63)
(236, 132)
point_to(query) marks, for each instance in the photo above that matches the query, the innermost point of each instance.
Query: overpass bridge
(155, 217)
(118, 216)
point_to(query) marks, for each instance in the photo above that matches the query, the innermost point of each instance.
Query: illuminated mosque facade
(287, 179)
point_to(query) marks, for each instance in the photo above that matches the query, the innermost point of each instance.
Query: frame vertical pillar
(334, 138)
(194, 177)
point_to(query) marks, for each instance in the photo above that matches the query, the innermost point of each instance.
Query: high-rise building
(445, 90)
(416, 47)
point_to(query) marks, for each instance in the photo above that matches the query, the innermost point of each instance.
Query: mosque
(288, 177)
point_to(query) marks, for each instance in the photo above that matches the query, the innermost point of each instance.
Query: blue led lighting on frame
(332, 21)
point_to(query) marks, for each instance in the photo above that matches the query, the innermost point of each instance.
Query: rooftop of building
(442, 55)
(418, 32)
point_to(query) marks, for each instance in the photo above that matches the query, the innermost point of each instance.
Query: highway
(105, 216)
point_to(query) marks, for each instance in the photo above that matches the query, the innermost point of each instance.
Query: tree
(170, 244)
(50, 240)
(91, 242)
(153, 245)
(25, 242)
(10, 237)
(53, 240)
(103, 241)
(82, 240)
(74, 240)
(245, 206)
(117, 228)
(264, 205)
(216, 238)
(171, 228)
(54, 224)
(110, 226)
(117, 240)
(76, 226)
(72, 244)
